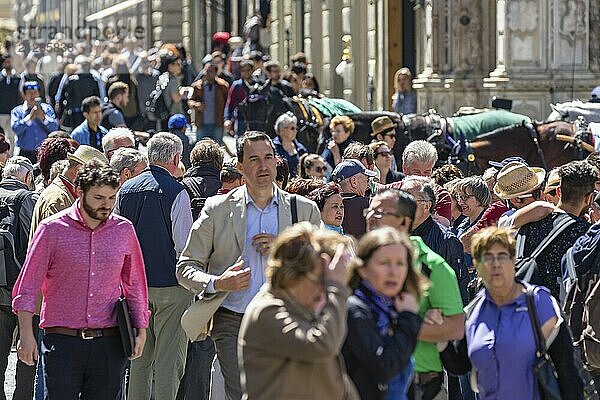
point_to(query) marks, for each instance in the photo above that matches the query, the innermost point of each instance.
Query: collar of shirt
(76, 216)
(69, 185)
(250, 200)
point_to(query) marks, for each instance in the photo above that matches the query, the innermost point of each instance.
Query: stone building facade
(533, 52)
(464, 51)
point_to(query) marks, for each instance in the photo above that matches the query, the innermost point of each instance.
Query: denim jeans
(88, 369)
(398, 386)
(39, 387)
(24, 374)
(195, 384)
(210, 131)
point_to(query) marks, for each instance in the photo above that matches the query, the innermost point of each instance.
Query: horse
(540, 144)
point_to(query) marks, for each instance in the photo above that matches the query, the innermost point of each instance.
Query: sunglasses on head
(384, 153)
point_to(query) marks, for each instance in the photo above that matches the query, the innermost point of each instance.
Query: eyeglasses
(464, 197)
(378, 213)
(501, 258)
(319, 169)
(317, 280)
(384, 153)
(292, 127)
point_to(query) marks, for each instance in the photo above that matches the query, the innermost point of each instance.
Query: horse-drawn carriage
(469, 141)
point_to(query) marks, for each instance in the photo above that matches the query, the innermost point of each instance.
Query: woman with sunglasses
(383, 161)
(383, 320)
(312, 166)
(292, 331)
(286, 145)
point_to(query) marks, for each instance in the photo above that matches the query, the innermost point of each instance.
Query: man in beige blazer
(228, 247)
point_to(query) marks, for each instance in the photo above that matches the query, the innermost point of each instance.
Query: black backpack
(156, 107)
(257, 107)
(196, 189)
(10, 257)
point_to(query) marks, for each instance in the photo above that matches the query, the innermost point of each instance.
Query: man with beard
(76, 250)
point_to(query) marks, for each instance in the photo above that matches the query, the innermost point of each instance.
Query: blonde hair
(343, 120)
(297, 249)
(415, 282)
(484, 239)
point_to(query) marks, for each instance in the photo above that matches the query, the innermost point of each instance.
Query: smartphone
(38, 102)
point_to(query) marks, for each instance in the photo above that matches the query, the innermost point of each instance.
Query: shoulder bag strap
(540, 342)
(294, 206)
(559, 227)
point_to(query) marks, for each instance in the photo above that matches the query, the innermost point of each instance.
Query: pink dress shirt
(79, 272)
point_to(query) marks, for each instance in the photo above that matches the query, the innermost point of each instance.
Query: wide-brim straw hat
(516, 179)
(85, 153)
(553, 181)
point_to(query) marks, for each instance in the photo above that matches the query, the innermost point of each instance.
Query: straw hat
(382, 124)
(85, 153)
(516, 179)
(553, 181)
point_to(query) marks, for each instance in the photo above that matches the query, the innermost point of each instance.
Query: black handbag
(543, 368)
(125, 327)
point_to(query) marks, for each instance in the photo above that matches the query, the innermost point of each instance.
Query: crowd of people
(275, 272)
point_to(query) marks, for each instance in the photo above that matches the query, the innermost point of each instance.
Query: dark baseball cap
(348, 168)
(501, 164)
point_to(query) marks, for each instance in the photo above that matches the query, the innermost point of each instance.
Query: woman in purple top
(500, 341)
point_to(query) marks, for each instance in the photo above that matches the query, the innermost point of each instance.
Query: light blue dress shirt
(257, 221)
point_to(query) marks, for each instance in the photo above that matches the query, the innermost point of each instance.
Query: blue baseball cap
(178, 121)
(31, 85)
(348, 168)
(506, 161)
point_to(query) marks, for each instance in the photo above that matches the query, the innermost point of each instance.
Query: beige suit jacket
(217, 240)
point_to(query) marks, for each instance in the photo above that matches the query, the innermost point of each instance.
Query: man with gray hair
(128, 163)
(159, 207)
(117, 138)
(16, 192)
(418, 159)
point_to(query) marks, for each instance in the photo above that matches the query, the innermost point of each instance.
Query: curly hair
(343, 120)
(577, 179)
(446, 173)
(52, 150)
(303, 186)
(96, 173)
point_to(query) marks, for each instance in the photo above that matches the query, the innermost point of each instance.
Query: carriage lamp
(346, 55)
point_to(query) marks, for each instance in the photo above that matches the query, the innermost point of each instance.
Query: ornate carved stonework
(467, 38)
(523, 32)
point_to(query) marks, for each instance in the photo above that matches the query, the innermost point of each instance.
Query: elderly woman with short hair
(501, 346)
(286, 145)
(293, 330)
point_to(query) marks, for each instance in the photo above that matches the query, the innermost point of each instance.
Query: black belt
(83, 333)
(230, 312)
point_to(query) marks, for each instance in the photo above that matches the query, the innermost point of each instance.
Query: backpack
(581, 304)
(256, 107)
(10, 266)
(526, 266)
(197, 191)
(156, 107)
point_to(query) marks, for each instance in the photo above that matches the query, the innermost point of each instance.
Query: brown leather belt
(83, 333)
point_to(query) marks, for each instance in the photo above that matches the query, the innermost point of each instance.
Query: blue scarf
(337, 229)
(381, 306)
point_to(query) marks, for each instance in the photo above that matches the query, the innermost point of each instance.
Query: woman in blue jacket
(383, 320)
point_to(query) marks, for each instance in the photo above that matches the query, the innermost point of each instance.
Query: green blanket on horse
(474, 125)
(329, 107)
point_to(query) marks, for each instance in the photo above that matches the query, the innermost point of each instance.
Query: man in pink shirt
(80, 259)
